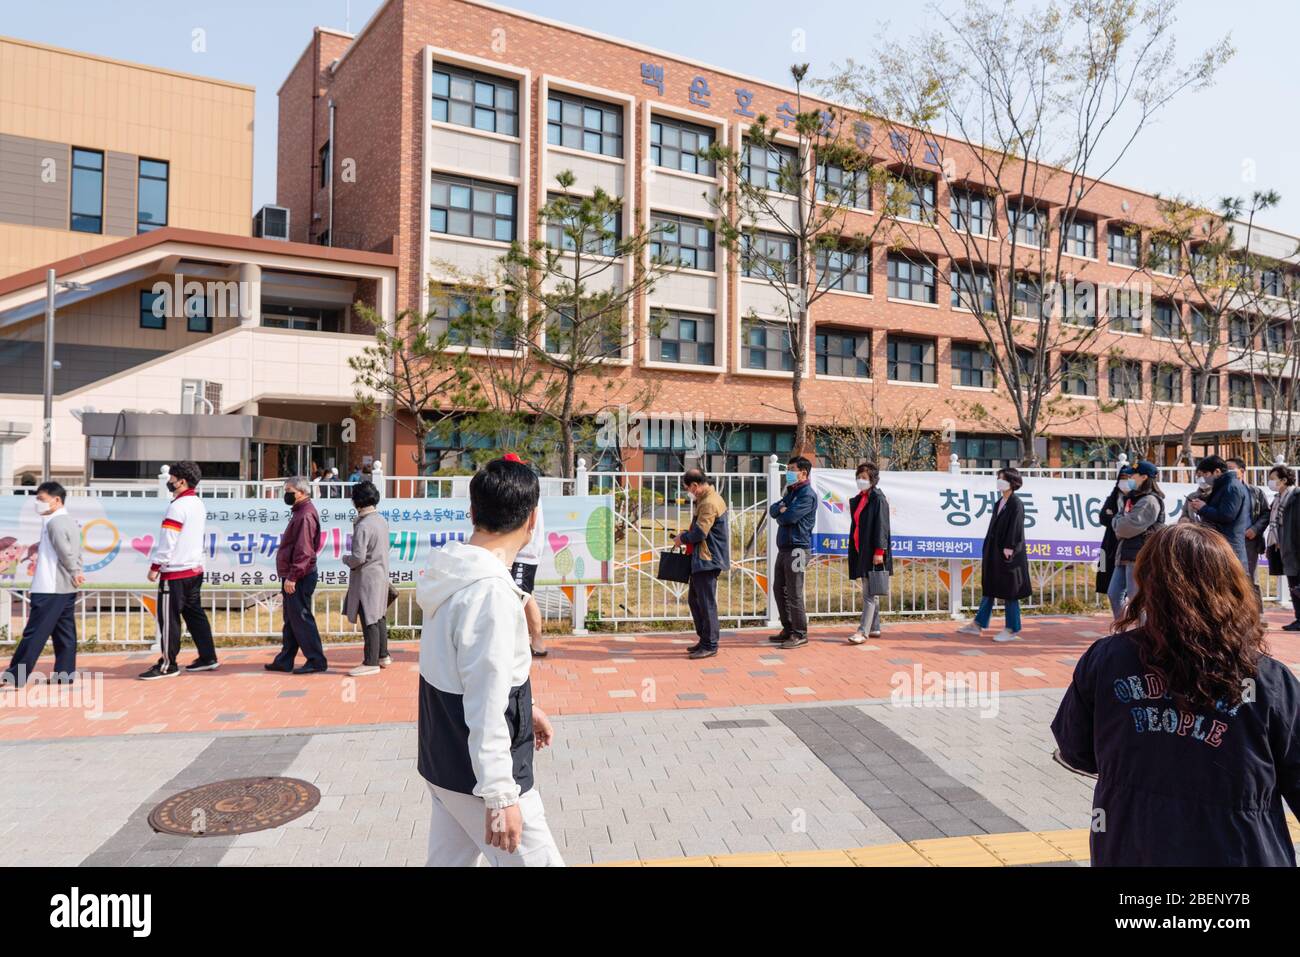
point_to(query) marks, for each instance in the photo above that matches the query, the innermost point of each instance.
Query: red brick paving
(582, 675)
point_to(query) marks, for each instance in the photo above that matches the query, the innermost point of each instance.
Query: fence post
(163, 474)
(954, 564)
(377, 477)
(773, 494)
(579, 603)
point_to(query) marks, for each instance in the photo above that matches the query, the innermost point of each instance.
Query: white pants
(457, 826)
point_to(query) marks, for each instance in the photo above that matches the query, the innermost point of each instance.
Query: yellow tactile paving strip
(981, 850)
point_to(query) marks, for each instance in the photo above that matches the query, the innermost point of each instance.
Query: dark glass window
(768, 256)
(1080, 238)
(842, 187)
(1027, 224)
(148, 318)
(844, 270)
(843, 353)
(912, 279)
(986, 451)
(1125, 379)
(198, 314)
(87, 191)
(471, 207)
(682, 241)
(1078, 375)
(477, 100)
(1166, 383)
(1166, 322)
(971, 210)
(577, 123)
(602, 242)
(911, 359)
(1124, 306)
(685, 337)
(1211, 387)
(675, 144)
(1122, 245)
(151, 196)
(447, 312)
(1241, 392)
(763, 165)
(972, 289)
(767, 346)
(972, 365)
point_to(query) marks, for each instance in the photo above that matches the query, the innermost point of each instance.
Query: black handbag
(674, 566)
(877, 582)
(1276, 567)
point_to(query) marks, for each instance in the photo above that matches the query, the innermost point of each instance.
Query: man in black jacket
(1259, 515)
(795, 514)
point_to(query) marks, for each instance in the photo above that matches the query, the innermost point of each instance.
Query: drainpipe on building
(333, 149)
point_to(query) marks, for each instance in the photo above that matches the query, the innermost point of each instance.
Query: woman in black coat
(868, 546)
(1109, 540)
(1006, 564)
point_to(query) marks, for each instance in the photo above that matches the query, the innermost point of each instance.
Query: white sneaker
(385, 661)
(970, 628)
(857, 638)
(362, 670)
(873, 634)
(1005, 635)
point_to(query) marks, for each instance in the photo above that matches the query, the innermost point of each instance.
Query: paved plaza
(757, 756)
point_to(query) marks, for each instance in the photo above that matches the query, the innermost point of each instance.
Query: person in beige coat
(368, 584)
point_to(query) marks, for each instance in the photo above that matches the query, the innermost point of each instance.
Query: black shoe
(311, 669)
(1294, 626)
(198, 664)
(777, 639)
(702, 652)
(160, 670)
(695, 647)
(272, 666)
(794, 642)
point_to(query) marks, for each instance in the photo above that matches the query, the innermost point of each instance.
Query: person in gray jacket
(1259, 516)
(56, 576)
(367, 597)
(1141, 513)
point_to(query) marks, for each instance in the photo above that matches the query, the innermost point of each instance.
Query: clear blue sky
(1198, 149)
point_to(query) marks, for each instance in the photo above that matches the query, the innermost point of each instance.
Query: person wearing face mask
(55, 580)
(1226, 507)
(795, 514)
(1259, 513)
(1109, 542)
(1141, 514)
(1283, 533)
(295, 564)
(709, 546)
(177, 566)
(868, 547)
(1006, 563)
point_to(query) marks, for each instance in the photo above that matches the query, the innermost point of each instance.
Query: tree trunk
(796, 388)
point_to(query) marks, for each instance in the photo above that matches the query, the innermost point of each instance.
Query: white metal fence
(650, 508)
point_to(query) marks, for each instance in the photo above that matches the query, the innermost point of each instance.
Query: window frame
(99, 172)
(830, 264)
(752, 267)
(140, 225)
(584, 104)
(476, 78)
(896, 281)
(771, 174)
(769, 327)
(823, 357)
(681, 126)
(927, 363)
(985, 369)
(1069, 361)
(662, 238)
(496, 189)
(960, 202)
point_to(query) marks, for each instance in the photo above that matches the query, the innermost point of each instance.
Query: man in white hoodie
(478, 725)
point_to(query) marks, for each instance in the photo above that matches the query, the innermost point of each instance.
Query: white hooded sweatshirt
(476, 713)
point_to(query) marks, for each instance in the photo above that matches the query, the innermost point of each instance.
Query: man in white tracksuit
(478, 725)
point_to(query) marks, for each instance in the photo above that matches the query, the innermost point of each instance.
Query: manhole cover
(234, 807)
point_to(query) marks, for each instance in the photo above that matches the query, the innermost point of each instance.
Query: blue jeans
(1122, 587)
(986, 612)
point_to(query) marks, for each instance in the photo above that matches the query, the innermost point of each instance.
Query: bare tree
(859, 432)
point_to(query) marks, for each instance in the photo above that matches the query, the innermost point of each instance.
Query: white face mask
(1272, 485)
(1204, 481)
(1004, 485)
(41, 506)
(864, 484)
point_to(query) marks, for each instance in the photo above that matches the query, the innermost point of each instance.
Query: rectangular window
(151, 196)
(986, 452)
(463, 315)
(1241, 333)
(1027, 225)
(1078, 375)
(843, 353)
(911, 359)
(844, 270)
(1125, 379)
(1166, 383)
(1200, 326)
(747, 449)
(595, 242)
(972, 289)
(1079, 304)
(1270, 282)
(1166, 322)
(972, 211)
(152, 315)
(767, 346)
(577, 123)
(477, 100)
(198, 314)
(1211, 396)
(471, 207)
(1241, 392)
(972, 365)
(768, 256)
(1122, 245)
(600, 338)
(1124, 306)
(685, 337)
(911, 279)
(773, 167)
(675, 144)
(1163, 255)
(919, 199)
(1028, 298)
(1080, 238)
(1275, 337)
(323, 159)
(682, 241)
(842, 188)
(87, 191)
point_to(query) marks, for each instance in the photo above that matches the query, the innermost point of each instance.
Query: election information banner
(242, 535)
(945, 515)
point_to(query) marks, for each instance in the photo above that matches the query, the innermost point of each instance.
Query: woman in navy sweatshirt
(1192, 728)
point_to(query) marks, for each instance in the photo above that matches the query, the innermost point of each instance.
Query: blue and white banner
(945, 515)
(242, 535)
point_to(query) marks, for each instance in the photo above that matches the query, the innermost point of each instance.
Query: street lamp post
(52, 286)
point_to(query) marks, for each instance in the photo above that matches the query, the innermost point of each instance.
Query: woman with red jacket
(869, 547)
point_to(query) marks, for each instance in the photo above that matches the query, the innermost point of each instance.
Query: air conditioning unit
(200, 397)
(272, 222)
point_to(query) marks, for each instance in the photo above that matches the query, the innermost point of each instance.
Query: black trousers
(182, 598)
(300, 629)
(51, 615)
(788, 589)
(702, 599)
(375, 636)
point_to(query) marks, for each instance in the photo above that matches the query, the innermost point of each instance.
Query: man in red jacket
(295, 563)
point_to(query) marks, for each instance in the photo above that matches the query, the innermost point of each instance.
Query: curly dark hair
(1196, 616)
(188, 472)
(364, 494)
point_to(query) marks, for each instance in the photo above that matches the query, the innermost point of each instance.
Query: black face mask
(172, 486)
(289, 499)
